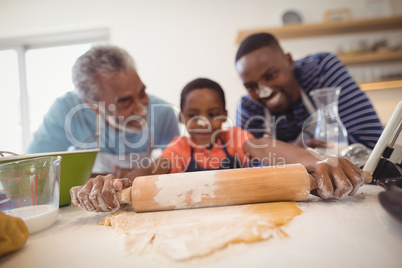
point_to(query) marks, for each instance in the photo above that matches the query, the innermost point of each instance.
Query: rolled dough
(185, 234)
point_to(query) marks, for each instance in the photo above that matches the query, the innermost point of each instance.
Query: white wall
(175, 41)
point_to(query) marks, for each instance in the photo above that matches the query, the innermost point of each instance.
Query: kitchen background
(176, 41)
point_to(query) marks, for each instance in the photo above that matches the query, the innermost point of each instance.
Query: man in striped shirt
(278, 102)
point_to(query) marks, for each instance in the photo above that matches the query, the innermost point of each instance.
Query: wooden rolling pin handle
(124, 196)
(313, 182)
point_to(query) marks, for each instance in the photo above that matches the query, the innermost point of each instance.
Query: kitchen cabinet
(296, 31)
(374, 57)
(328, 28)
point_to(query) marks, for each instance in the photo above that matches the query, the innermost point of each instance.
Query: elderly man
(109, 109)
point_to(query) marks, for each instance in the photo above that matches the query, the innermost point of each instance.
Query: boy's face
(203, 114)
(268, 76)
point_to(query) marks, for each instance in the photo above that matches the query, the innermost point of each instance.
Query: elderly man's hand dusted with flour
(98, 194)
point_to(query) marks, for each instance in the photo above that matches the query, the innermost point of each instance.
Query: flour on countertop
(185, 234)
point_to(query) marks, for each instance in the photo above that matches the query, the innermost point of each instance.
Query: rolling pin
(220, 188)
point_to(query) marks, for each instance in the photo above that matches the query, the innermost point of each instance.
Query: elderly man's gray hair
(99, 60)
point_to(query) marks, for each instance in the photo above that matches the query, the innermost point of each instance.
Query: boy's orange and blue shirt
(179, 150)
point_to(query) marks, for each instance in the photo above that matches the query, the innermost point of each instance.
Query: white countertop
(354, 232)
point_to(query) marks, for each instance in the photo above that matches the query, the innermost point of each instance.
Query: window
(10, 112)
(35, 71)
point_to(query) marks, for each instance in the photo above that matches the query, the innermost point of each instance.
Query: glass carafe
(329, 126)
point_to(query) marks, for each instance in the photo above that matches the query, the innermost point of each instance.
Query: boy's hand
(121, 172)
(98, 194)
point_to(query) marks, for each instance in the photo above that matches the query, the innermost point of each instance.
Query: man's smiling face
(268, 75)
(126, 100)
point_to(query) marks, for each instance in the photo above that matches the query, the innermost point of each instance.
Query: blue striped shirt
(312, 72)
